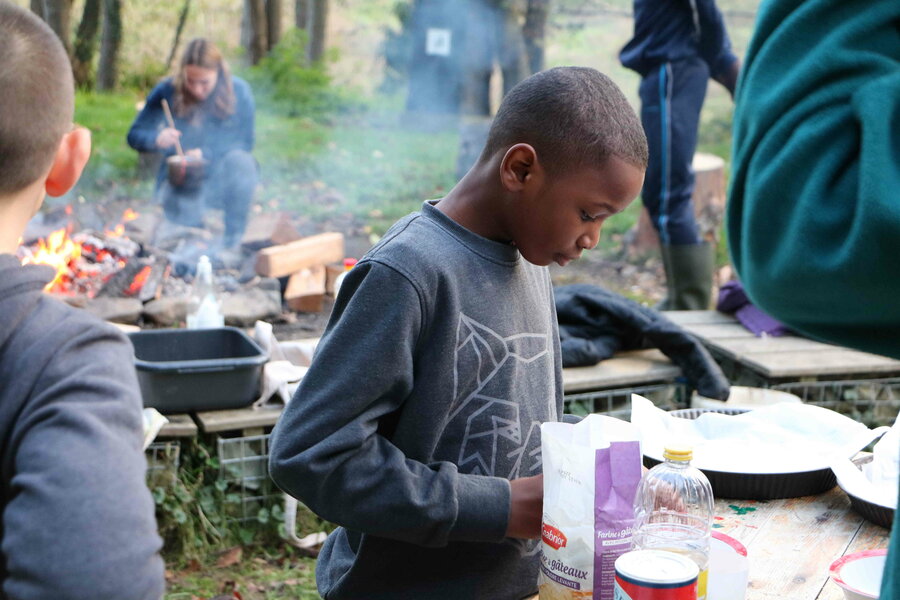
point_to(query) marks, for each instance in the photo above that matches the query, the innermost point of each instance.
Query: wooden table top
(792, 542)
(787, 356)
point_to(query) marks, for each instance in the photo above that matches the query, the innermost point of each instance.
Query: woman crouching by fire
(202, 121)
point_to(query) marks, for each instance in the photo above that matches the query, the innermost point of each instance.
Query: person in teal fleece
(814, 210)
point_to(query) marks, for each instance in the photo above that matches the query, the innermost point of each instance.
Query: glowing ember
(139, 280)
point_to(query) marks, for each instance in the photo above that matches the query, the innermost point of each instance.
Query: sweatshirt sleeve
(328, 448)
(80, 520)
(714, 44)
(813, 214)
(146, 126)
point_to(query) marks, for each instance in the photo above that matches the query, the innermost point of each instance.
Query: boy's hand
(526, 507)
(167, 137)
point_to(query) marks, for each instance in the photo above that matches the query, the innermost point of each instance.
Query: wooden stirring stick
(165, 105)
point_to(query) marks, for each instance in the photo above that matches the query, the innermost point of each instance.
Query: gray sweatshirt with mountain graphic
(424, 398)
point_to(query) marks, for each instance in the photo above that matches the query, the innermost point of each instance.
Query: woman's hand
(167, 137)
(526, 507)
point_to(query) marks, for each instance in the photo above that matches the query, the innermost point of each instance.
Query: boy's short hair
(572, 116)
(37, 97)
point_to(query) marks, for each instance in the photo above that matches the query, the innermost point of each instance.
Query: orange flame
(119, 230)
(57, 251)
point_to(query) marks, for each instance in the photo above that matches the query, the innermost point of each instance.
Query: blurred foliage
(286, 83)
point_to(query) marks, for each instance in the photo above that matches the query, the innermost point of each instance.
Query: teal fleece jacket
(814, 211)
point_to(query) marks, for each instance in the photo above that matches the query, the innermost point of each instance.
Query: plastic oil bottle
(204, 311)
(674, 510)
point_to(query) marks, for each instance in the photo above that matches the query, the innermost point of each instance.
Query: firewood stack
(309, 262)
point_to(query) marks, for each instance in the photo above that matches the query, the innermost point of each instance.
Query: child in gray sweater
(77, 517)
(416, 428)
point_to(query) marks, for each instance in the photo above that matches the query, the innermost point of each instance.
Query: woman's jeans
(228, 186)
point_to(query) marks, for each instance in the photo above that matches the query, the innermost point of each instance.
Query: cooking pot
(186, 172)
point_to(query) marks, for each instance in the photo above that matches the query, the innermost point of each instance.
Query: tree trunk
(182, 19)
(273, 22)
(318, 26)
(534, 32)
(110, 41)
(86, 43)
(258, 45)
(58, 15)
(510, 46)
(301, 14)
(246, 30)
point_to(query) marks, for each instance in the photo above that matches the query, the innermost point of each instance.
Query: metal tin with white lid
(655, 575)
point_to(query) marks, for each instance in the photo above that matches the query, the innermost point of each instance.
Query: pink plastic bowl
(859, 574)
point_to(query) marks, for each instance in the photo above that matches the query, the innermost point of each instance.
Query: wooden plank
(331, 273)
(267, 229)
(713, 332)
(757, 345)
(305, 290)
(238, 419)
(178, 426)
(832, 363)
(623, 370)
(279, 261)
(698, 317)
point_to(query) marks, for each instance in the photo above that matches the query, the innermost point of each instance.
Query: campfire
(138, 268)
(92, 264)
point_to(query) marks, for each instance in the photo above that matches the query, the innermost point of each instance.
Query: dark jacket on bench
(595, 323)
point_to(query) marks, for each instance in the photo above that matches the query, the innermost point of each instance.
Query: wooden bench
(777, 359)
(607, 386)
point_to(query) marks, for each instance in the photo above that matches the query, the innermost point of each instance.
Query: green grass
(108, 116)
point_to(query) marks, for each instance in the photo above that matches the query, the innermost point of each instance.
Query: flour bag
(591, 473)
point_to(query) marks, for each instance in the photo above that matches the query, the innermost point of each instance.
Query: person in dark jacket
(814, 208)
(76, 517)
(213, 113)
(678, 45)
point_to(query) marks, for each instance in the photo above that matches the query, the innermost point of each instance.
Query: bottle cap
(678, 452)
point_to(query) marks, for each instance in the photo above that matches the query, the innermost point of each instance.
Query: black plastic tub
(182, 370)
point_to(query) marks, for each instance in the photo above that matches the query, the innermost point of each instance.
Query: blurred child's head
(203, 75)
(572, 152)
(37, 100)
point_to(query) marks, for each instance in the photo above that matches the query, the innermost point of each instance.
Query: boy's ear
(519, 167)
(71, 157)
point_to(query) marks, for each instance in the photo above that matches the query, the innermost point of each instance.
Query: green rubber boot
(689, 271)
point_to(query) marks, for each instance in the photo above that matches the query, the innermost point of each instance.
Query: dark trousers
(671, 98)
(228, 186)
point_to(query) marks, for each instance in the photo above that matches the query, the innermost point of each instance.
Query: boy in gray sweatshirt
(77, 517)
(416, 428)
